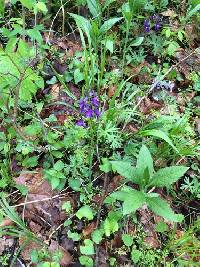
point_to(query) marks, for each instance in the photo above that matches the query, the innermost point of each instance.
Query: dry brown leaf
(146, 217)
(69, 46)
(6, 222)
(147, 105)
(111, 90)
(26, 251)
(55, 91)
(89, 229)
(47, 212)
(114, 183)
(169, 13)
(130, 127)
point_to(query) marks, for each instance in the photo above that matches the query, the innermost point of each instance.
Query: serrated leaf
(125, 169)
(162, 208)
(88, 248)
(86, 212)
(135, 255)
(127, 239)
(144, 161)
(132, 200)
(159, 134)
(97, 236)
(110, 226)
(86, 261)
(108, 24)
(59, 165)
(74, 236)
(168, 175)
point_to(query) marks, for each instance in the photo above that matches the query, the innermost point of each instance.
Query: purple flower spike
(97, 113)
(89, 113)
(157, 26)
(89, 105)
(155, 17)
(81, 123)
(95, 101)
(146, 25)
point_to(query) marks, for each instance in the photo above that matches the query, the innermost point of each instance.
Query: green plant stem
(128, 24)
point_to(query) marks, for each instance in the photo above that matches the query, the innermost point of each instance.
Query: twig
(39, 200)
(63, 20)
(50, 30)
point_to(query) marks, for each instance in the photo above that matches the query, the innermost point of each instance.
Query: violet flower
(89, 107)
(146, 25)
(81, 123)
(157, 26)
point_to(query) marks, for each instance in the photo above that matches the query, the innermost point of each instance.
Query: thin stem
(128, 24)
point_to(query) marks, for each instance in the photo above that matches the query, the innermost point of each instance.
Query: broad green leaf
(127, 239)
(144, 161)
(59, 166)
(106, 166)
(108, 24)
(11, 44)
(83, 24)
(138, 41)
(159, 134)
(94, 7)
(28, 3)
(110, 226)
(78, 76)
(42, 7)
(133, 202)
(172, 48)
(125, 169)
(97, 236)
(27, 89)
(132, 199)
(168, 175)
(86, 212)
(35, 35)
(74, 236)
(135, 255)
(162, 208)
(55, 182)
(161, 227)
(109, 44)
(88, 248)
(67, 206)
(30, 162)
(86, 261)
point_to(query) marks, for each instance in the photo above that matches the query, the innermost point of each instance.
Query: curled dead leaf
(89, 229)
